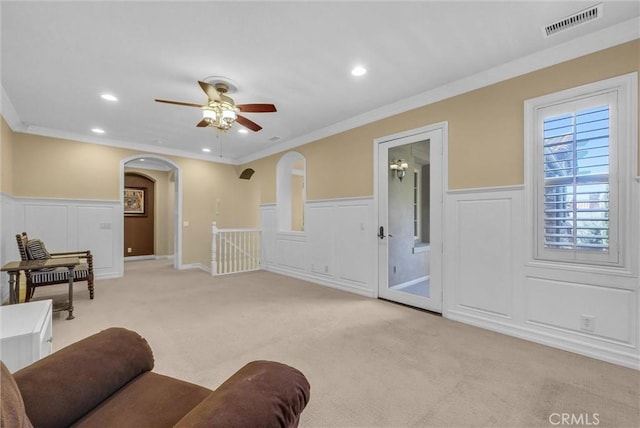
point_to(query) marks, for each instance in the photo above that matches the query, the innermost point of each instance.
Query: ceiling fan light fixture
(209, 115)
(220, 111)
(228, 115)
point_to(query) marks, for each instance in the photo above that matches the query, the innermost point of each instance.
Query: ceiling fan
(221, 111)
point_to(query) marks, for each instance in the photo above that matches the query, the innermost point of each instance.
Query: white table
(25, 333)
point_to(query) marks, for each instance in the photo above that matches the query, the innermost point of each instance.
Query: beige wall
(486, 128)
(6, 157)
(73, 170)
(297, 203)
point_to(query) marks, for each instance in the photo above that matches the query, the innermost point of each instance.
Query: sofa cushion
(149, 401)
(12, 413)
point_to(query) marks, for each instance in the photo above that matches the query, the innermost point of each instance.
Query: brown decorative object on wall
(134, 202)
(246, 174)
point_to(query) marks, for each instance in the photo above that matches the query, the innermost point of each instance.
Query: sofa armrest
(262, 394)
(60, 388)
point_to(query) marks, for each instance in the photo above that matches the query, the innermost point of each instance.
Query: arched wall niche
(291, 192)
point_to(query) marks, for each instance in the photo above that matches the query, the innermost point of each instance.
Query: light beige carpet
(370, 363)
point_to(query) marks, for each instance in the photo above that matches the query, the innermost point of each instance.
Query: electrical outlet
(587, 322)
(129, 250)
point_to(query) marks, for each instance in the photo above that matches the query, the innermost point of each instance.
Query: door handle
(381, 232)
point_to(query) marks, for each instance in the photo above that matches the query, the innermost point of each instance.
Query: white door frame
(436, 238)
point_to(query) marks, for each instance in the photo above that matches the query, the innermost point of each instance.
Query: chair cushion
(151, 400)
(36, 250)
(12, 413)
(61, 274)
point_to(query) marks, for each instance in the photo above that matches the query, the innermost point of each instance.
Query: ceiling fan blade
(179, 103)
(257, 108)
(210, 90)
(203, 123)
(248, 123)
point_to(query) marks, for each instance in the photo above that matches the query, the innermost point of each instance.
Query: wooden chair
(82, 272)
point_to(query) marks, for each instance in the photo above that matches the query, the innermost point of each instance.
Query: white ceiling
(58, 57)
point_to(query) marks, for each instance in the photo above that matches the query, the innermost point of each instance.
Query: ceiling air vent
(574, 20)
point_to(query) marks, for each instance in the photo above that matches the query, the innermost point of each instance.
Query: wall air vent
(574, 20)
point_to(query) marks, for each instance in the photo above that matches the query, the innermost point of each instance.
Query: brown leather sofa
(105, 380)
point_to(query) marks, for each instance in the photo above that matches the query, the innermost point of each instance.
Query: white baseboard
(626, 359)
(108, 275)
(148, 257)
(138, 258)
(322, 280)
(195, 266)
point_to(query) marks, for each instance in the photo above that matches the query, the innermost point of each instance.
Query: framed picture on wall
(134, 202)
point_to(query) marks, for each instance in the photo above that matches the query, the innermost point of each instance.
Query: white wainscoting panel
(50, 223)
(70, 225)
(355, 232)
(8, 246)
(321, 240)
(268, 235)
(612, 309)
(95, 224)
(291, 250)
(336, 249)
(488, 282)
(484, 255)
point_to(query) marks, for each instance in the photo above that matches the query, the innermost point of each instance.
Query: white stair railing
(234, 250)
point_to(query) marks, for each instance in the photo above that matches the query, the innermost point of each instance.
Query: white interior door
(410, 195)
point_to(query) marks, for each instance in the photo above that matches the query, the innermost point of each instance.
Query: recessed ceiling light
(109, 97)
(141, 160)
(206, 150)
(358, 71)
(242, 131)
(97, 130)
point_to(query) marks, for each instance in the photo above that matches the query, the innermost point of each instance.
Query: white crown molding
(590, 43)
(9, 112)
(56, 133)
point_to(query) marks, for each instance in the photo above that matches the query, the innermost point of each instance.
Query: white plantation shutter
(576, 179)
(577, 185)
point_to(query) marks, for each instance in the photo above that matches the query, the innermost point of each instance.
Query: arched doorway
(167, 204)
(140, 226)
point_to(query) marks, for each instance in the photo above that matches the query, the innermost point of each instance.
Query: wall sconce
(400, 167)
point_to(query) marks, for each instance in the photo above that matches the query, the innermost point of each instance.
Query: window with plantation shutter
(576, 179)
(577, 171)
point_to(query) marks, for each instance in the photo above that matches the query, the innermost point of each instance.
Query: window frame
(621, 93)
(417, 202)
